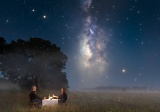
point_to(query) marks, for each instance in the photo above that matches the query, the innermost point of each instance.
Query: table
(49, 102)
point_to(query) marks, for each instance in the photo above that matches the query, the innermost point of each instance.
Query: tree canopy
(33, 62)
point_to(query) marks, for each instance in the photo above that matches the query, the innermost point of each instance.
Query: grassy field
(85, 101)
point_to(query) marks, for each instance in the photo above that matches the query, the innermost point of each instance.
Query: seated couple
(62, 98)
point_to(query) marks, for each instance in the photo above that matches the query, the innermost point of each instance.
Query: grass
(85, 101)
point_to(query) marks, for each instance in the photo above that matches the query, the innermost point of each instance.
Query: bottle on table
(49, 96)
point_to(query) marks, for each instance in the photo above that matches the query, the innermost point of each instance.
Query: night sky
(108, 42)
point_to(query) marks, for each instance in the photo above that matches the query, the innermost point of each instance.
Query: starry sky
(108, 42)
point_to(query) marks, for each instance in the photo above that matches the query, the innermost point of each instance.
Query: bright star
(123, 70)
(44, 16)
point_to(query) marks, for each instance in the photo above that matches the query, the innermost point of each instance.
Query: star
(106, 77)
(33, 10)
(123, 70)
(142, 42)
(135, 79)
(44, 16)
(140, 74)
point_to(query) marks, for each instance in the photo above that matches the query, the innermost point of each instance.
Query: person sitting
(34, 98)
(62, 98)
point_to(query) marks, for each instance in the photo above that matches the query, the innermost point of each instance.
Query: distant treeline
(120, 88)
(115, 88)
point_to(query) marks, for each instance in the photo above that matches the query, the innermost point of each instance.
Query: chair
(67, 99)
(66, 102)
(33, 104)
(60, 102)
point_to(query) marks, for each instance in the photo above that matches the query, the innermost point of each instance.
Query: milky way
(93, 55)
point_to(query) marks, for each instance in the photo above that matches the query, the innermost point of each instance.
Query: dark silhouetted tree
(35, 61)
(2, 44)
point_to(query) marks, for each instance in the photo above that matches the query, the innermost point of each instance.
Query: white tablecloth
(49, 102)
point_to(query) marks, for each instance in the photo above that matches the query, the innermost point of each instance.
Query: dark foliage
(35, 61)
